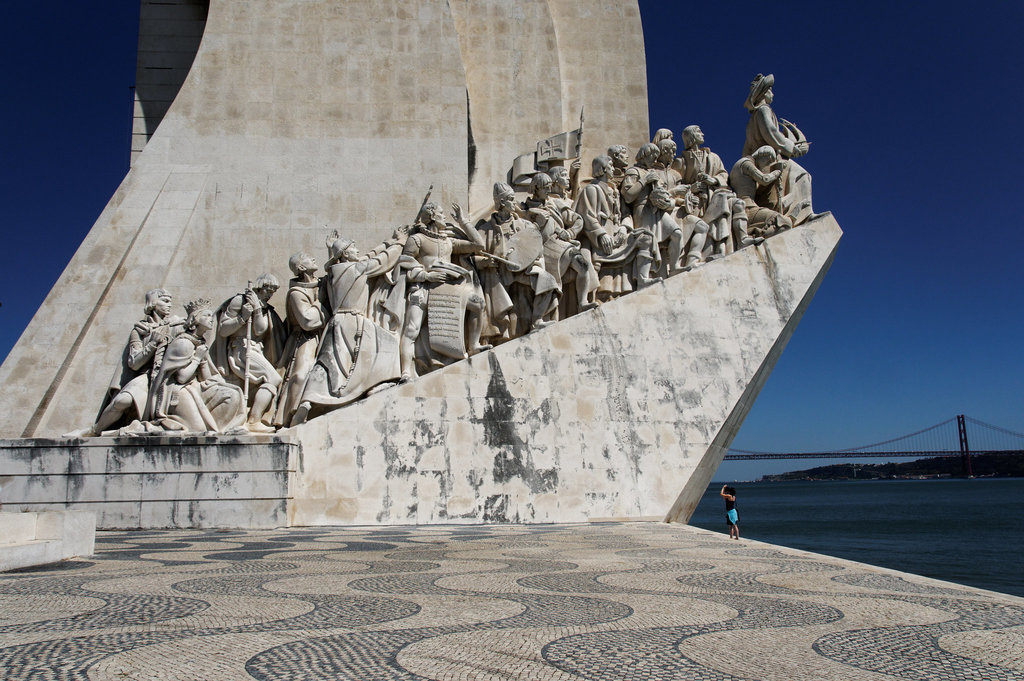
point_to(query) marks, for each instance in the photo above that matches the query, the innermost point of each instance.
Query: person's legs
(732, 518)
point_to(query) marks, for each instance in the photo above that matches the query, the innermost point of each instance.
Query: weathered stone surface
(624, 411)
(28, 539)
(301, 115)
(148, 482)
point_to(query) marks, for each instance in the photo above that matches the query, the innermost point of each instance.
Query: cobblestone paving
(599, 602)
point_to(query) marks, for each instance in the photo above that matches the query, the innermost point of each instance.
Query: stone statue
(660, 135)
(612, 245)
(638, 181)
(759, 187)
(787, 140)
(356, 354)
(188, 393)
(706, 178)
(306, 317)
(694, 230)
(129, 388)
(559, 225)
(619, 154)
(440, 292)
(657, 218)
(700, 166)
(251, 337)
(670, 179)
(520, 293)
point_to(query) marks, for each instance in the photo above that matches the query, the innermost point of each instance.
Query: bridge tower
(965, 449)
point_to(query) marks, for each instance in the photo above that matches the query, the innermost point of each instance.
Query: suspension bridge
(948, 438)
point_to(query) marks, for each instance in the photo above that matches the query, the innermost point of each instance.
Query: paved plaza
(596, 601)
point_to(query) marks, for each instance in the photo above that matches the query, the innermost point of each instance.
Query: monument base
(152, 482)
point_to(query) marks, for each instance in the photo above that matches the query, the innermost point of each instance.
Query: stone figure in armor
(443, 299)
(356, 353)
(764, 128)
(559, 226)
(189, 394)
(520, 294)
(614, 247)
(305, 317)
(125, 401)
(251, 336)
(759, 186)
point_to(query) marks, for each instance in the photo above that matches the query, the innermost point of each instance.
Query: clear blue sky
(913, 113)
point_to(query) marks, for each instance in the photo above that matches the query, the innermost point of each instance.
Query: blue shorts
(732, 517)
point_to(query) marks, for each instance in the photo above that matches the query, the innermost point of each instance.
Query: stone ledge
(39, 538)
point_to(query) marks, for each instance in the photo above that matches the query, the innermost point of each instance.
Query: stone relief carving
(443, 289)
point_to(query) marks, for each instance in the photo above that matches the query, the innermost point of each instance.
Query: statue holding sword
(250, 340)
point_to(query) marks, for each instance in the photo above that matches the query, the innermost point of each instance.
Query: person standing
(732, 518)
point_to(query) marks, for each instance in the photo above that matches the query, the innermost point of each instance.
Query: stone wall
(152, 482)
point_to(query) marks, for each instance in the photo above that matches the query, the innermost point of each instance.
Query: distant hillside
(982, 465)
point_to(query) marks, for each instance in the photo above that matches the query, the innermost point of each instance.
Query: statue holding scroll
(441, 294)
(614, 247)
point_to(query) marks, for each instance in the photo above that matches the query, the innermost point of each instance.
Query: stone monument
(585, 347)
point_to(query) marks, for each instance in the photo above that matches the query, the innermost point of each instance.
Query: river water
(965, 531)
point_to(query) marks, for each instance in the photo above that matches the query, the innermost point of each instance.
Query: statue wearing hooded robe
(306, 315)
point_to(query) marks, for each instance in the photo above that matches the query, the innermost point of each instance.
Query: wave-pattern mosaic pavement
(619, 601)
